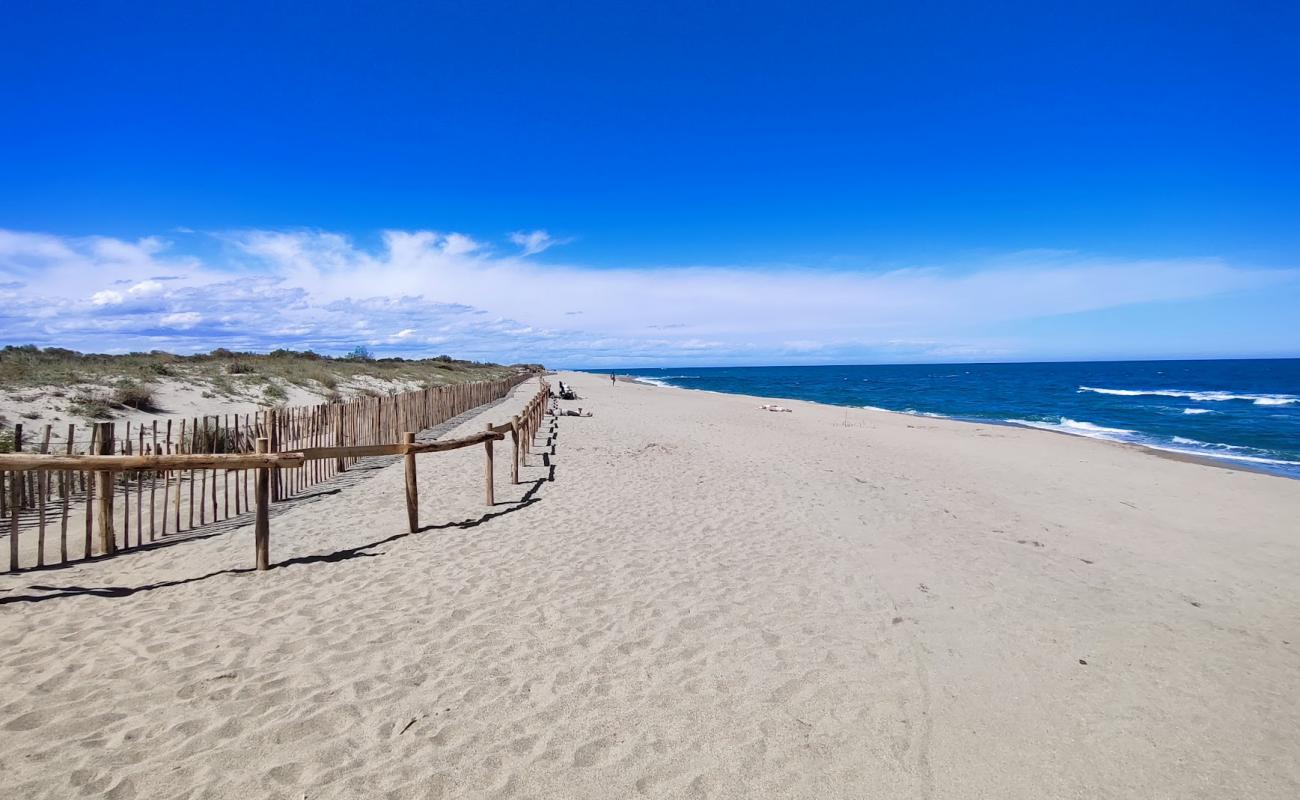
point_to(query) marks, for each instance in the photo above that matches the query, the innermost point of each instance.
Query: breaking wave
(1199, 397)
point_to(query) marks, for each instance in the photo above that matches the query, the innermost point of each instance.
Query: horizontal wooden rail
(444, 445)
(398, 448)
(352, 451)
(37, 462)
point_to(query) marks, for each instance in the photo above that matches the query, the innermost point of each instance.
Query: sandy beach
(693, 598)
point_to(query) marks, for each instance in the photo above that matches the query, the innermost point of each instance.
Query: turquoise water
(1241, 411)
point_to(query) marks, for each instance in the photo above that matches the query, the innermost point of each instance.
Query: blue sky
(667, 183)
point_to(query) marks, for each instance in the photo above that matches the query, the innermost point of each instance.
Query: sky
(657, 184)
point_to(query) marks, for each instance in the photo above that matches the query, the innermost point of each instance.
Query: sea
(1244, 412)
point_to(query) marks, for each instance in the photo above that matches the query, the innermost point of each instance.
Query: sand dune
(696, 598)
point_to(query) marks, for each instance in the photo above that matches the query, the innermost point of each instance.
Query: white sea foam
(1078, 428)
(1219, 454)
(1177, 444)
(1199, 397)
(652, 381)
(1197, 411)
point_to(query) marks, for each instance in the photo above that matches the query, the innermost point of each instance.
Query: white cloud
(107, 297)
(145, 288)
(533, 242)
(455, 244)
(322, 290)
(181, 319)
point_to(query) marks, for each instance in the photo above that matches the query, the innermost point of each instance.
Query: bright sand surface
(708, 600)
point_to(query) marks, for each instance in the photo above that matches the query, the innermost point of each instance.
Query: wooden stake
(238, 447)
(488, 470)
(42, 485)
(412, 488)
(167, 480)
(15, 499)
(338, 439)
(262, 527)
(65, 486)
(514, 441)
(273, 433)
(194, 430)
(104, 490)
(126, 493)
(153, 486)
(139, 497)
(206, 447)
(225, 473)
(18, 477)
(90, 494)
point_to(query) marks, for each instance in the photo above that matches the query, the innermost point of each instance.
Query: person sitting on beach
(568, 413)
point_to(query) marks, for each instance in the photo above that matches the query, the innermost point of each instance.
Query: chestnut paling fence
(176, 478)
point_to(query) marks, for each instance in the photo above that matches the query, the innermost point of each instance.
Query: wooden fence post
(412, 490)
(488, 471)
(338, 438)
(514, 441)
(273, 420)
(15, 500)
(262, 528)
(20, 477)
(65, 489)
(104, 493)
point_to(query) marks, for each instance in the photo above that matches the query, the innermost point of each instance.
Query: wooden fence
(290, 449)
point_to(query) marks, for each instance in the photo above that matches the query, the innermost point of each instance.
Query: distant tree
(360, 353)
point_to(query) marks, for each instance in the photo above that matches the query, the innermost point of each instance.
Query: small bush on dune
(240, 368)
(134, 394)
(91, 405)
(275, 393)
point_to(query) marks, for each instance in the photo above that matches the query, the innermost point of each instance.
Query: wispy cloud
(425, 292)
(534, 242)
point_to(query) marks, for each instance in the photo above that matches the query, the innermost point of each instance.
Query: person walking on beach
(612, 380)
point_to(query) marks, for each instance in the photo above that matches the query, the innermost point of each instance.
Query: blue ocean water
(1241, 411)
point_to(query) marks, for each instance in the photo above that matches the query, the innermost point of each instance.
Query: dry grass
(29, 366)
(91, 404)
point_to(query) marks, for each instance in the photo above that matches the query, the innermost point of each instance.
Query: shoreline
(1173, 455)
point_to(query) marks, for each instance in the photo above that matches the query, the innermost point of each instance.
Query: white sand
(709, 600)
